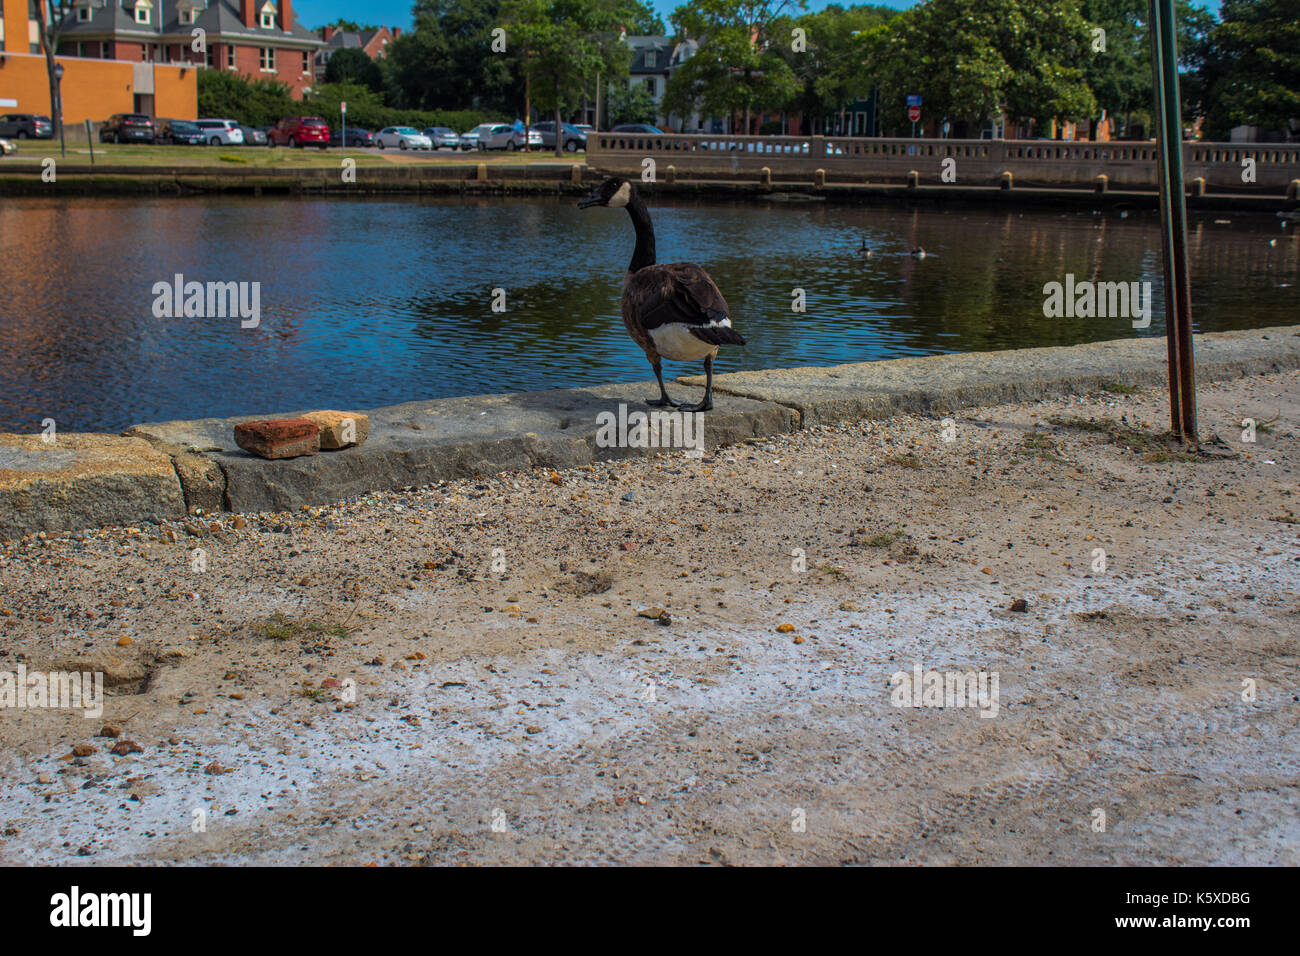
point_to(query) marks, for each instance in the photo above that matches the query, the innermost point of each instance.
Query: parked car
(442, 136)
(585, 127)
(470, 140)
(356, 137)
(6, 147)
(295, 131)
(26, 126)
(127, 128)
(403, 137)
(637, 128)
(253, 135)
(221, 132)
(504, 136)
(180, 133)
(574, 138)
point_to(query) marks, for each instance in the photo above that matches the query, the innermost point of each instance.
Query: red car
(294, 131)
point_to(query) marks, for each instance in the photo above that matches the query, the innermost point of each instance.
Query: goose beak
(592, 200)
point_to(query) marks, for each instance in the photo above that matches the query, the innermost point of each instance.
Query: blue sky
(314, 13)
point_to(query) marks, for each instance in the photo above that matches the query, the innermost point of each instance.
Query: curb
(164, 469)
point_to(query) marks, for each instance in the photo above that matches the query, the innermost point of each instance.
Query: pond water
(373, 302)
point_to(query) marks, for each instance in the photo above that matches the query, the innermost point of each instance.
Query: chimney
(396, 32)
(248, 12)
(286, 15)
(326, 33)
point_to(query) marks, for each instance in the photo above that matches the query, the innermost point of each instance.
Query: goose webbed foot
(663, 398)
(704, 405)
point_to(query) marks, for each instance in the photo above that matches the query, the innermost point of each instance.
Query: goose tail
(718, 335)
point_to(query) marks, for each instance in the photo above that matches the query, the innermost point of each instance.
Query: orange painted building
(93, 88)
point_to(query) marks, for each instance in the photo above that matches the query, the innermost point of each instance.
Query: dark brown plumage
(673, 311)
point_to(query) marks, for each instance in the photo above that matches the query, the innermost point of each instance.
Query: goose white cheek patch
(621, 197)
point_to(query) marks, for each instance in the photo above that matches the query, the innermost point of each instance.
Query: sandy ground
(531, 715)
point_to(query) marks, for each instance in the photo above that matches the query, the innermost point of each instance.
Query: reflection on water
(368, 303)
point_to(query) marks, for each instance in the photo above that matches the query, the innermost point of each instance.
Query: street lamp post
(58, 95)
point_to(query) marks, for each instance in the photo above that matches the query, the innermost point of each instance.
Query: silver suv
(221, 132)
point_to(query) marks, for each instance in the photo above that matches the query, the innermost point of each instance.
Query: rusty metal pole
(1173, 216)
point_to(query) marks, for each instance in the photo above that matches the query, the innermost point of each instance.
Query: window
(266, 59)
(651, 87)
(306, 62)
(230, 57)
(143, 12)
(104, 53)
(268, 16)
(83, 14)
(209, 57)
(651, 59)
(188, 15)
(144, 52)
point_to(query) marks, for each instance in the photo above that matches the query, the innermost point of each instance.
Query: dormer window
(267, 19)
(83, 14)
(188, 16)
(651, 58)
(143, 11)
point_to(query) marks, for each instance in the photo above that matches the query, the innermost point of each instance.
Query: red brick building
(257, 38)
(373, 43)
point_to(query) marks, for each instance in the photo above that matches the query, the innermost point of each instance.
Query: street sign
(914, 113)
(914, 99)
(343, 106)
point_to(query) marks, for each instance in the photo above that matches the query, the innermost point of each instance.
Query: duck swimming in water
(672, 311)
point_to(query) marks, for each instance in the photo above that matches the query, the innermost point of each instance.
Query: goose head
(613, 192)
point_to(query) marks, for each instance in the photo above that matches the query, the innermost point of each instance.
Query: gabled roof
(218, 18)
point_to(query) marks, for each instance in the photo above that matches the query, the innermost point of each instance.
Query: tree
(831, 70)
(973, 59)
(447, 62)
(352, 65)
(252, 102)
(739, 66)
(351, 26)
(59, 13)
(562, 44)
(631, 104)
(1252, 71)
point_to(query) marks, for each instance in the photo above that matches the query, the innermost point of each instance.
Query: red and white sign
(914, 113)
(343, 106)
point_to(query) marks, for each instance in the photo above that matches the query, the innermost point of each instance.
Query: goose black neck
(644, 253)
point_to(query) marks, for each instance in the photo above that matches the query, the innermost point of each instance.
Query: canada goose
(863, 251)
(673, 311)
(918, 253)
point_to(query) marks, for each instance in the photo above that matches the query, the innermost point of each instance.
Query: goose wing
(680, 293)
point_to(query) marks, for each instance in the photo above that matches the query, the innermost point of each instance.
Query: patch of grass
(1267, 426)
(830, 569)
(882, 540)
(1041, 446)
(280, 627)
(227, 158)
(906, 461)
(1153, 448)
(1120, 388)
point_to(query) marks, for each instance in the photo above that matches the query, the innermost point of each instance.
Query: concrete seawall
(21, 178)
(161, 470)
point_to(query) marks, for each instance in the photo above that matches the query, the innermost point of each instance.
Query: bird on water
(673, 311)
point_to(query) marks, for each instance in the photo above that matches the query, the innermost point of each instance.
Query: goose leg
(663, 398)
(705, 403)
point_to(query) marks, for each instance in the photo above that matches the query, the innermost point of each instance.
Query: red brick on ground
(280, 438)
